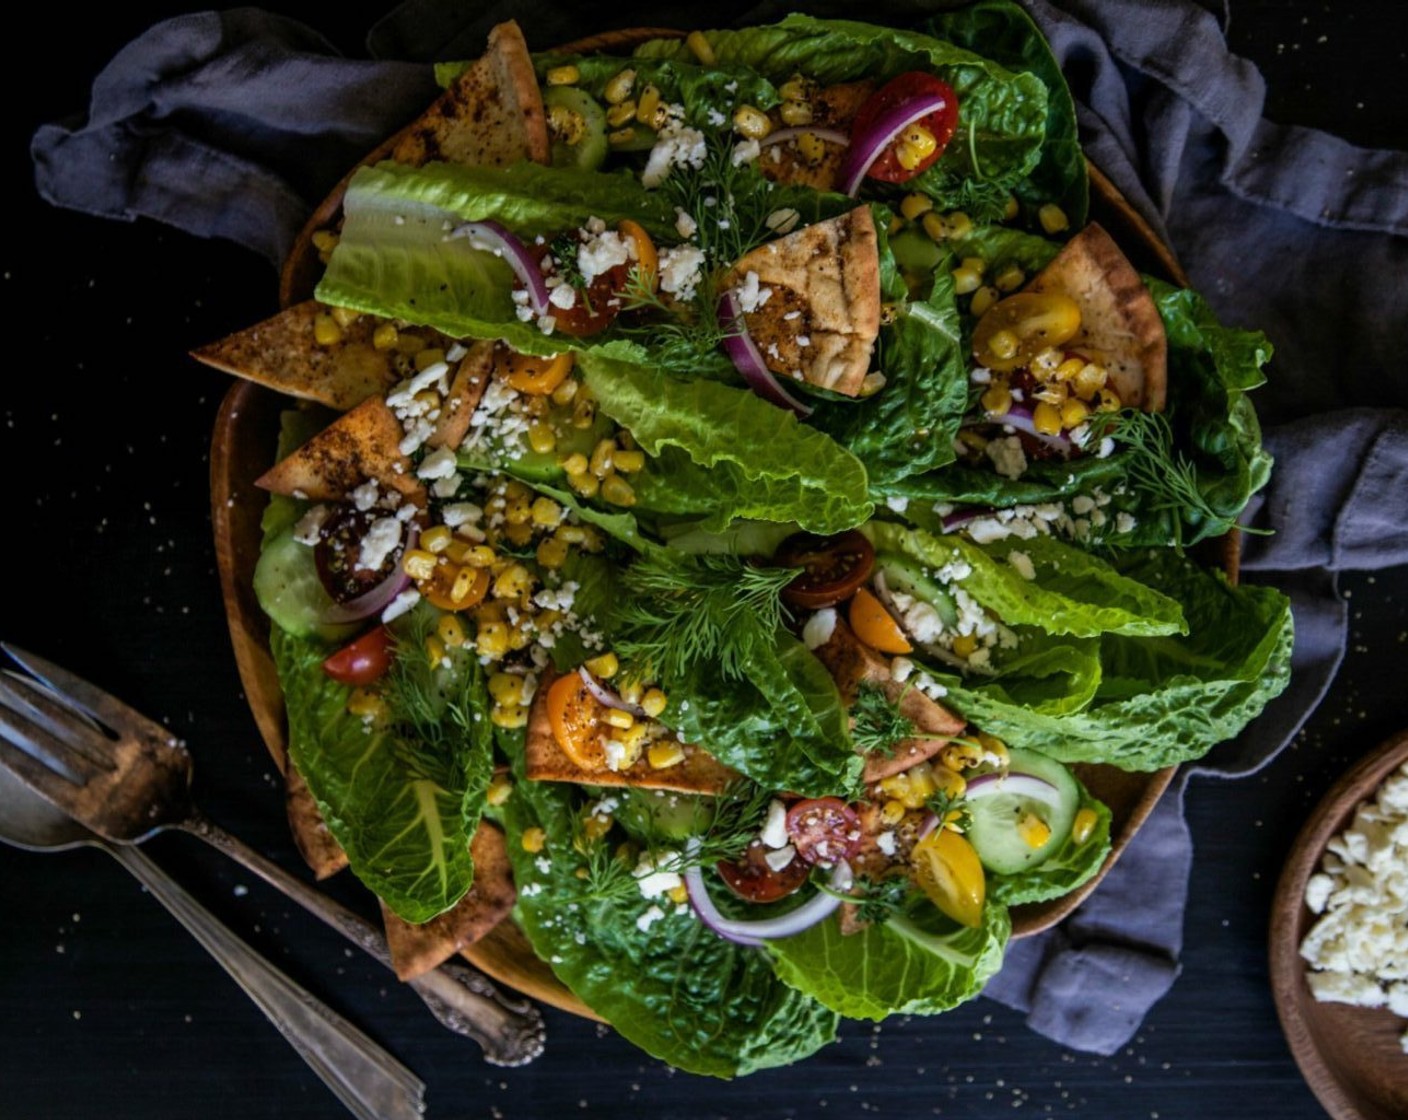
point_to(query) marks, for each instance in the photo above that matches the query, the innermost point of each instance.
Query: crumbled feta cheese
(438, 464)
(745, 151)
(365, 496)
(448, 486)
(310, 525)
(899, 505)
(780, 857)
(603, 250)
(886, 843)
(1125, 522)
(379, 543)
(900, 669)
(1023, 563)
(400, 605)
(677, 146)
(774, 832)
(1008, 458)
(1107, 448)
(681, 270)
(654, 876)
(649, 918)
(750, 295)
(563, 297)
(818, 629)
(618, 756)
(685, 225)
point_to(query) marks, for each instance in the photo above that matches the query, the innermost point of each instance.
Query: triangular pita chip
(1120, 325)
(545, 761)
(359, 445)
(490, 116)
(833, 108)
(821, 317)
(315, 841)
(416, 949)
(852, 663)
(283, 354)
(466, 390)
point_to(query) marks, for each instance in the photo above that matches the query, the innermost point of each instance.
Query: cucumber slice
(904, 575)
(915, 251)
(287, 586)
(577, 125)
(654, 815)
(996, 815)
(633, 138)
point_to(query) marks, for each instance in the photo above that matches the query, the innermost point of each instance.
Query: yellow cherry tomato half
(949, 872)
(575, 716)
(875, 626)
(647, 259)
(535, 376)
(452, 588)
(1015, 330)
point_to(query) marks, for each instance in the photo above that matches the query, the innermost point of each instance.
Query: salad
(737, 490)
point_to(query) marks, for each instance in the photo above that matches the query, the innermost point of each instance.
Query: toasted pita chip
(833, 108)
(699, 772)
(852, 663)
(416, 949)
(282, 354)
(315, 841)
(1120, 326)
(466, 390)
(359, 445)
(491, 116)
(829, 275)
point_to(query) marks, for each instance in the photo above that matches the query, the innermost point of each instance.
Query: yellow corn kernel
(567, 75)
(700, 47)
(983, 298)
(965, 280)
(326, 332)
(564, 393)
(921, 788)
(492, 639)
(796, 88)
(678, 895)
(895, 787)
(892, 812)
(617, 491)
(621, 137)
(1074, 413)
(604, 666)
(500, 788)
(509, 716)
(964, 645)
(1032, 829)
(630, 691)
(366, 704)
(513, 582)
(428, 399)
(1083, 825)
(629, 461)
(436, 539)
(916, 144)
(434, 651)
(959, 224)
(1052, 218)
(1010, 279)
(915, 206)
(1004, 344)
(479, 556)
(546, 513)
(541, 437)
(1109, 401)
(1012, 209)
(450, 630)
(619, 88)
(325, 241)
(506, 688)
(426, 358)
(648, 106)
(961, 756)
(633, 737)
(1068, 369)
(653, 702)
(456, 551)
(949, 782)
(552, 553)
(616, 717)
(621, 114)
(345, 316)
(997, 398)
(1046, 362)
(521, 635)
(576, 463)
(463, 586)
(751, 123)
(518, 511)
(601, 460)
(534, 840)
(1046, 418)
(994, 749)
(934, 225)
(583, 412)
(384, 337)
(971, 439)
(664, 754)
(586, 483)
(418, 564)
(597, 825)
(811, 147)
(795, 113)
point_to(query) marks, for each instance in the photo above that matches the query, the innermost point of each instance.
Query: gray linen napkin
(1282, 228)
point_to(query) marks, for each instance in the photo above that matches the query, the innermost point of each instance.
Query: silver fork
(134, 781)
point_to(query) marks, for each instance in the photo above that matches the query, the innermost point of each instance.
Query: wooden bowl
(1350, 1056)
(243, 447)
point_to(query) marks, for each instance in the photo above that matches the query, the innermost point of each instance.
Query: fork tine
(33, 700)
(38, 759)
(75, 692)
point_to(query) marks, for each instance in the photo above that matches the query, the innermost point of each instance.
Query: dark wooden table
(107, 1009)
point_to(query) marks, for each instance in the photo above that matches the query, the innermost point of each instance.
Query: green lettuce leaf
(1069, 867)
(918, 963)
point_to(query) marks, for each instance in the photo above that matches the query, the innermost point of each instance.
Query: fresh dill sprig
(877, 723)
(983, 201)
(431, 709)
(682, 337)
(681, 611)
(880, 899)
(564, 251)
(730, 202)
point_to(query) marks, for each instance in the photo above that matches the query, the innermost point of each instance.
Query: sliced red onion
(754, 933)
(961, 517)
(748, 359)
(931, 822)
(1013, 781)
(1019, 417)
(379, 597)
(865, 150)
(782, 135)
(605, 696)
(493, 238)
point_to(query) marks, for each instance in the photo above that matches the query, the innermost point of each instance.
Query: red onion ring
(379, 597)
(865, 150)
(748, 359)
(754, 933)
(782, 135)
(961, 517)
(1013, 781)
(605, 696)
(494, 238)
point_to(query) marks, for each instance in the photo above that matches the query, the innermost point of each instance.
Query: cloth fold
(1282, 228)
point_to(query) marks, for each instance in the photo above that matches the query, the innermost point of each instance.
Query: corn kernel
(1046, 362)
(479, 556)
(418, 564)
(621, 114)
(653, 702)
(1010, 279)
(892, 812)
(665, 753)
(434, 651)
(384, 337)
(915, 206)
(959, 224)
(366, 704)
(564, 393)
(492, 639)
(567, 75)
(1083, 825)
(428, 399)
(1012, 209)
(506, 688)
(796, 88)
(629, 461)
(633, 737)
(617, 491)
(1089, 381)
(964, 645)
(1046, 418)
(576, 463)
(1068, 369)
(345, 316)
(965, 280)
(678, 895)
(546, 513)
(500, 787)
(701, 48)
(467, 580)
(541, 438)
(916, 144)
(604, 666)
(994, 749)
(326, 332)
(619, 88)
(552, 553)
(436, 539)
(597, 825)
(1074, 413)
(795, 113)
(1052, 218)
(617, 717)
(960, 756)
(621, 137)
(450, 630)
(583, 412)
(983, 298)
(997, 399)
(895, 787)
(534, 840)
(630, 691)
(602, 454)
(648, 106)
(426, 358)
(513, 582)
(751, 123)
(934, 225)
(949, 782)
(1003, 344)
(811, 147)
(1033, 830)
(1109, 401)
(585, 484)
(508, 716)
(325, 240)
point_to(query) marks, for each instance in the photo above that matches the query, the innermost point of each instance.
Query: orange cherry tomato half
(832, 567)
(940, 124)
(752, 880)
(364, 661)
(875, 626)
(647, 259)
(440, 588)
(535, 376)
(948, 870)
(575, 715)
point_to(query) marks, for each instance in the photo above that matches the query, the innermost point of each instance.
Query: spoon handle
(509, 1030)
(364, 1077)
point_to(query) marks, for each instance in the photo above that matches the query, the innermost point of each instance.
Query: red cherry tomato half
(752, 880)
(824, 830)
(832, 567)
(364, 661)
(941, 123)
(595, 309)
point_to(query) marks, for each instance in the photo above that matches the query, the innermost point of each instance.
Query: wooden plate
(1350, 1056)
(243, 447)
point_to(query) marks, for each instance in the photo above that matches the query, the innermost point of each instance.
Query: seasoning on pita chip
(852, 663)
(1120, 327)
(315, 841)
(416, 949)
(466, 390)
(806, 159)
(811, 301)
(490, 116)
(359, 445)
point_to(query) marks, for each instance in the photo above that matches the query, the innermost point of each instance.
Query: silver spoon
(369, 1081)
